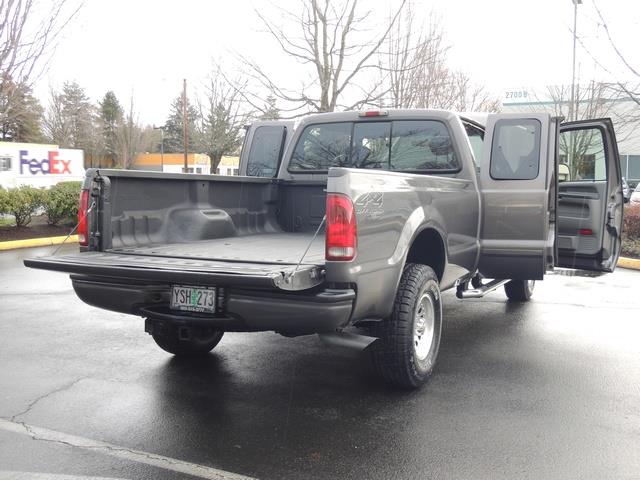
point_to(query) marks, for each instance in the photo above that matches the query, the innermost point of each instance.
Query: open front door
(589, 204)
(515, 179)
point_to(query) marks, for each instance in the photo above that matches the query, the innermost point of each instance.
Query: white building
(593, 101)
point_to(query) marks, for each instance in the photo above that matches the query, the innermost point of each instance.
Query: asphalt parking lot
(548, 389)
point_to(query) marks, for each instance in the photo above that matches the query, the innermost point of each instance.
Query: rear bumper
(291, 313)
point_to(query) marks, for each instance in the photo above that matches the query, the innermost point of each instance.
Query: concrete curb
(631, 263)
(37, 242)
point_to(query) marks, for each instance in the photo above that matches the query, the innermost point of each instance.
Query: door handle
(611, 217)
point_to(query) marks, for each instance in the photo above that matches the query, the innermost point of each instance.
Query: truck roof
(479, 118)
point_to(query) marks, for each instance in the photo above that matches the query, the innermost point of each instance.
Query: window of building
(236, 171)
(5, 164)
(406, 145)
(515, 152)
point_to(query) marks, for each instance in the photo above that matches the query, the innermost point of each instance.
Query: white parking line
(7, 475)
(160, 461)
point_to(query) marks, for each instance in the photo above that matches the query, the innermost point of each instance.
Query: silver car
(626, 191)
(635, 196)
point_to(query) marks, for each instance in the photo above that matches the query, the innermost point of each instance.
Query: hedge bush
(61, 202)
(631, 227)
(21, 202)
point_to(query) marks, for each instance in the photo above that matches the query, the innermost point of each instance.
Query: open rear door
(515, 179)
(590, 200)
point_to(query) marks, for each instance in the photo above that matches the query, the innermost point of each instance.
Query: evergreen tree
(79, 114)
(173, 135)
(20, 114)
(70, 119)
(270, 110)
(111, 117)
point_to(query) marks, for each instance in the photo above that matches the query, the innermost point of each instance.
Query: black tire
(398, 354)
(201, 341)
(519, 290)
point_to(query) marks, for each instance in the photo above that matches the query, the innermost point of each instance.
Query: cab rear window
(403, 146)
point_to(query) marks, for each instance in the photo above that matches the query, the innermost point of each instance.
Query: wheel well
(428, 249)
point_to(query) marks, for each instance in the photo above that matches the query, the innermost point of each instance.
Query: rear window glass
(266, 148)
(411, 145)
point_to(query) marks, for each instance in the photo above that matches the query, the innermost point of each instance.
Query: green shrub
(3, 200)
(631, 227)
(22, 202)
(61, 202)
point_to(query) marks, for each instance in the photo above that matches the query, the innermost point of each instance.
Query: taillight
(585, 231)
(83, 231)
(341, 238)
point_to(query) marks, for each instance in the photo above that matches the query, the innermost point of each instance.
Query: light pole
(161, 128)
(573, 114)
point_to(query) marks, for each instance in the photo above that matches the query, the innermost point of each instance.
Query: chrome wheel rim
(423, 327)
(530, 285)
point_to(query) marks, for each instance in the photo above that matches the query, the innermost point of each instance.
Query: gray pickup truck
(352, 219)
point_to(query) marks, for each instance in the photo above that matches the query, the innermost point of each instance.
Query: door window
(582, 155)
(266, 148)
(515, 151)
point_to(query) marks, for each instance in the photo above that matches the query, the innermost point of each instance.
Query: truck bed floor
(285, 248)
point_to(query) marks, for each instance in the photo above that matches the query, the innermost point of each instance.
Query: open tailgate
(185, 271)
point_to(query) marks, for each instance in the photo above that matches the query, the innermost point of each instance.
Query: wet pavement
(547, 389)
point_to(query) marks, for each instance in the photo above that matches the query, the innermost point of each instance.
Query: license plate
(193, 299)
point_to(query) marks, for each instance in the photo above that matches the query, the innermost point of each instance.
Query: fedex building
(39, 165)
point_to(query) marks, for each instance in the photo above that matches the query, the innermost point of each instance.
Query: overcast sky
(145, 48)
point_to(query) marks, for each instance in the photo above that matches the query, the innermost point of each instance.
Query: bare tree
(329, 38)
(56, 126)
(595, 100)
(415, 72)
(131, 139)
(28, 32)
(222, 116)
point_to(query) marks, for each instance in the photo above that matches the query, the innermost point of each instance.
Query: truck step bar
(480, 292)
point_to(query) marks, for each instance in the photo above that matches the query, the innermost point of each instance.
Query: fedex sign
(51, 165)
(39, 165)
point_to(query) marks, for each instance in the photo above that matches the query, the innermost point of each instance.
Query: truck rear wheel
(406, 350)
(191, 342)
(519, 290)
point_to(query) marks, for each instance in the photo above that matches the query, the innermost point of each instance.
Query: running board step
(479, 292)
